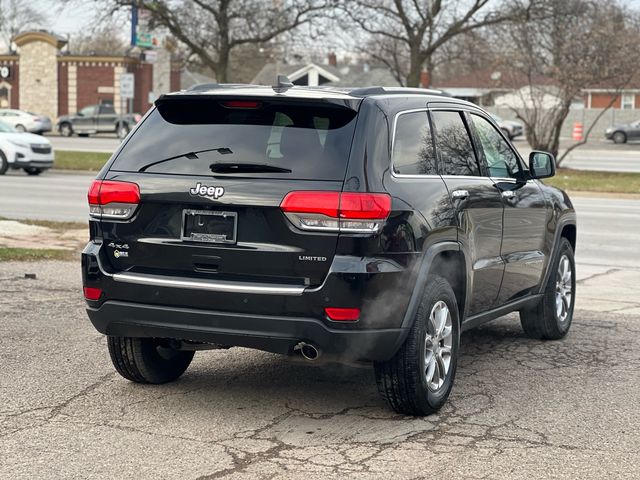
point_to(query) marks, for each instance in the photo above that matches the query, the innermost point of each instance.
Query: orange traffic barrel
(577, 131)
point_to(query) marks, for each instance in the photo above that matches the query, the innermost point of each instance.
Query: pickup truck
(97, 119)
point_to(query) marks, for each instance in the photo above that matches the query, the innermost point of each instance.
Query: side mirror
(541, 165)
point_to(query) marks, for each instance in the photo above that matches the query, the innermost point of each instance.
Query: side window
(453, 145)
(89, 111)
(501, 160)
(413, 145)
(107, 110)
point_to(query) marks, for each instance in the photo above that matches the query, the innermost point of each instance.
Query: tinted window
(313, 141)
(501, 161)
(413, 145)
(453, 145)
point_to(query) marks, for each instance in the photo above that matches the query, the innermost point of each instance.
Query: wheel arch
(440, 259)
(565, 228)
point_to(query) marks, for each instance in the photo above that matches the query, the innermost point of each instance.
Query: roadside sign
(127, 83)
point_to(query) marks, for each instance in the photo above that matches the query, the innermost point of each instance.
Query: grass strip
(73, 160)
(595, 181)
(8, 254)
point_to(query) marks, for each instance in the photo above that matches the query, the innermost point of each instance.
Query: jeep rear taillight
(112, 199)
(348, 212)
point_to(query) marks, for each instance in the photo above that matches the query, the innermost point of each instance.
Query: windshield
(4, 128)
(271, 139)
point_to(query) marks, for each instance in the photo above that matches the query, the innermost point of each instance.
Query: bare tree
(105, 39)
(212, 29)
(407, 34)
(15, 17)
(572, 45)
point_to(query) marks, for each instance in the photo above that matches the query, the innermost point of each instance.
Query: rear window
(188, 137)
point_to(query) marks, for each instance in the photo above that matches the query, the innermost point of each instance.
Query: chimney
(425, 79)
(333, 60)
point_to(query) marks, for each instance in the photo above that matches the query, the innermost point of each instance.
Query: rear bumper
(264, 316)
(270, 333)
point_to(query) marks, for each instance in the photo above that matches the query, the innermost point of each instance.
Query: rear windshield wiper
(246, 168)
(189, 155)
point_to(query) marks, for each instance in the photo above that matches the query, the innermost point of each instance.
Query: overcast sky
(74, 17)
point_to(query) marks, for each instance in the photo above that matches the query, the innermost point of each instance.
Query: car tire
(551, 318)
(619, 137)
(413, 381)
(122, 131)
(84, 135)
(20, 128)
(32, 171)
(65, 129)
(146, 360)
(4, 164)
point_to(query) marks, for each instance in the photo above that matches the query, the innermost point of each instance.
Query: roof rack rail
(368, 91)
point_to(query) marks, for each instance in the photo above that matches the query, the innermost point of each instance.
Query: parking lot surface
(520, 408)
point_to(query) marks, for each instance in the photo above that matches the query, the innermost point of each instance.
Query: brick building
(43, 79)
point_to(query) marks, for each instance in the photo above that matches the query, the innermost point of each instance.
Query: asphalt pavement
(520, 408)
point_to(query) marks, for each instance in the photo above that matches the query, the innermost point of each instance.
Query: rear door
(478, 207)
(212, 174)
(525, 212)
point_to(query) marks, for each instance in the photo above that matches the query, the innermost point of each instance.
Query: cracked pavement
(520, 407)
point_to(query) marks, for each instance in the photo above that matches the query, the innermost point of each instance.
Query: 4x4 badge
(208, 192)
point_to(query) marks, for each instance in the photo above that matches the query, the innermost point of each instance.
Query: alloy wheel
(564, 289)
(439, 340)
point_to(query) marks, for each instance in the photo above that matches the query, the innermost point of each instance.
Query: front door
(478, 208)
(85, 121)
(525, 212)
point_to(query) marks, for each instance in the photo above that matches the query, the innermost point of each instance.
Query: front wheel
(33, 171)
(551, 318)
(65, 130)
(418, 379)
(147, 360)
(4, 164)
(20, 128)
(619, 137)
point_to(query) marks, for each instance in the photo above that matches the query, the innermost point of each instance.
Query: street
(520, 407)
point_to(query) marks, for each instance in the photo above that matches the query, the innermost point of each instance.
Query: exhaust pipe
(308, 351)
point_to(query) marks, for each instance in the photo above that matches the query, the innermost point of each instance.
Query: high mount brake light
(349, 212)
(112, 199)
(241, 104)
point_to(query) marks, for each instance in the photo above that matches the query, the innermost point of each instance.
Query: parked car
(369, 224)
(97, 119)
(25, 121)
(623, 133)
(510, 128)
(28, 151)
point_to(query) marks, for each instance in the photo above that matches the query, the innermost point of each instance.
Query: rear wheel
(66, 130)
(4, 164)
(551, 318)
(20, 128)
(147, 360)
(122, 131)
(33, 171)
(619, 137)
(419, 378)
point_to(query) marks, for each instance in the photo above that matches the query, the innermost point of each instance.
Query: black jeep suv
(356, 224)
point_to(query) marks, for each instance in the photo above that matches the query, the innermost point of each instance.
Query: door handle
(508, 193)
(460, 194)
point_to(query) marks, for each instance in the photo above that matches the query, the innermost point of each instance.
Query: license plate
(209, 226)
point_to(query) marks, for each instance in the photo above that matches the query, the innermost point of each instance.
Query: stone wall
(39, 78)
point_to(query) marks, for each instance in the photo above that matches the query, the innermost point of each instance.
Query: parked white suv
(30, 152)
(25, 121)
